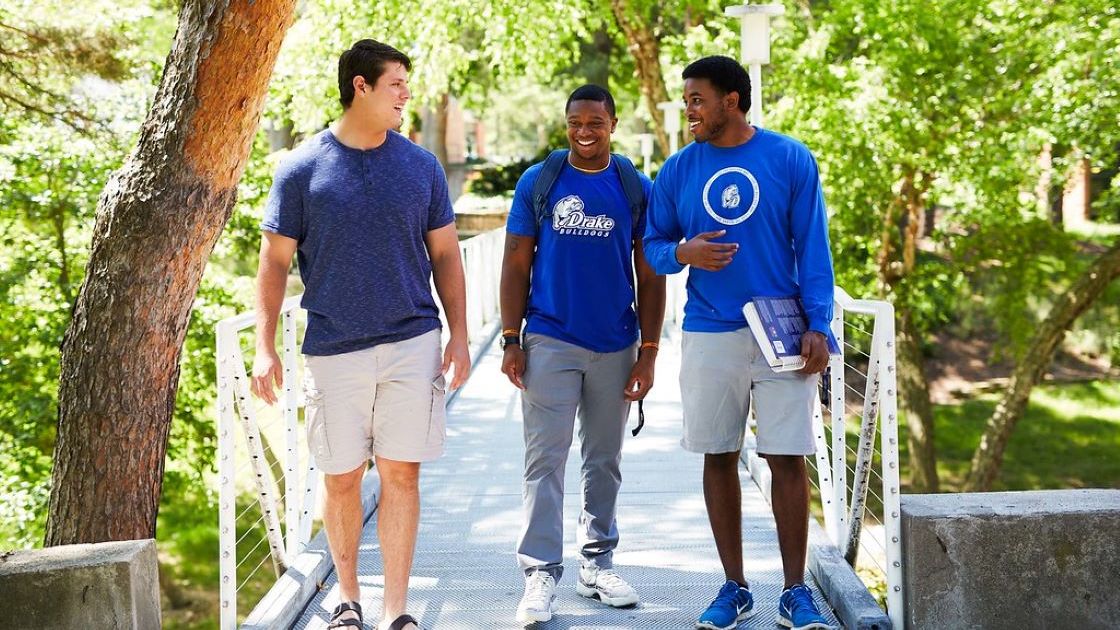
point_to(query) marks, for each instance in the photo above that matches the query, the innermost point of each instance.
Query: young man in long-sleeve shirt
(747, 204)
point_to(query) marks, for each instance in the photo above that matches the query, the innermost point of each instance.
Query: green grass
(1069, 437)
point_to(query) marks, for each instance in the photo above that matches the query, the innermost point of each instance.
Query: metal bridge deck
(465, 574)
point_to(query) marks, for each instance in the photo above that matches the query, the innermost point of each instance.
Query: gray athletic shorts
(387, 401)
(720, 374)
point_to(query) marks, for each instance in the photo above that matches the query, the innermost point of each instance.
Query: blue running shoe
(731, 607)
(796, 610)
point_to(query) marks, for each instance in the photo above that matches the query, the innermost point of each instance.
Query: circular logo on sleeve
(731, 195)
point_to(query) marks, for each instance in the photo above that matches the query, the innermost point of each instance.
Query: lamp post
(755, 46)
(672, 118)
(646, 140)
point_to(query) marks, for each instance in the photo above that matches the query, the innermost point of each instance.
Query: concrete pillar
(1012, 560)
(108, 586)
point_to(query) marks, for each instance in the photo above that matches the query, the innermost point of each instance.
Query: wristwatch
(510, 340)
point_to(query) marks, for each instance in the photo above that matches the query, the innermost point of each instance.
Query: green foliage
(50, 179)
(946, 98)
(46, 48)
(457, 46)
(498, 179)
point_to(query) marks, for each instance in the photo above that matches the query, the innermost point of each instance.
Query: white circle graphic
(754, 200)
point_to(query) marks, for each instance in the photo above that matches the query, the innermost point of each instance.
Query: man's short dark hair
(367, 59)
(725, 74)
(592, 92)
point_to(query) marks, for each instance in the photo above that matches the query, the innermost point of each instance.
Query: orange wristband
(649, 344)
(510, 331)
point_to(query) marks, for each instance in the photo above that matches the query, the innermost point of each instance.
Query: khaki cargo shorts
(721, 373)
(387, 401)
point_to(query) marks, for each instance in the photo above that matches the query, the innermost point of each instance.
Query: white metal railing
(861, 384)
(251, 535)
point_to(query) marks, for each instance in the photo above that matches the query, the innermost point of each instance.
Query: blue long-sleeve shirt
(766, 193)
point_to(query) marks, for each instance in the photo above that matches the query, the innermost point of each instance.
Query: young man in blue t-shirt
(368, 216)
(747, 203)
(570, 277)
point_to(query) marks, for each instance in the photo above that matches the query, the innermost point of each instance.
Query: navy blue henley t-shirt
(359, 218)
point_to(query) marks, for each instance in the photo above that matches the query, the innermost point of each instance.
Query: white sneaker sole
(738, 620)
(591, 592)
(536, 616)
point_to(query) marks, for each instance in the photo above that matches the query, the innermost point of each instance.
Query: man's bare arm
(517, 264)
(451, 285)
(272, 280)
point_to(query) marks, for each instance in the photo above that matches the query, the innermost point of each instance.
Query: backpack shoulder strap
(631, 187)
(546, 178)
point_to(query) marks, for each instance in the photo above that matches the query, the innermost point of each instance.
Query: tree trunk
(441, 130)
(157, 221)
(901, 223)
(988, 458)
(646, 50)
(913, 389)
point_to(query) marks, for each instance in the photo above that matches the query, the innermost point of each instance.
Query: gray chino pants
(561, 379)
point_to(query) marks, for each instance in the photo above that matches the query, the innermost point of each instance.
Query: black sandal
(345, 607)
(400, 622)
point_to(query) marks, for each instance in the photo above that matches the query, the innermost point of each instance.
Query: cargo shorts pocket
(437, 418)
(315, 416)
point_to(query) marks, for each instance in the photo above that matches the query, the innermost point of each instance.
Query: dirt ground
(961, 368)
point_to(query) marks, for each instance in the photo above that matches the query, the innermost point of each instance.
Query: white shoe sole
(591, 592)
(786, 623)
(738, 620)
(536, 616)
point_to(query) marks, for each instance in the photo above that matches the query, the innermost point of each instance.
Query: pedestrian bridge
(275, 566)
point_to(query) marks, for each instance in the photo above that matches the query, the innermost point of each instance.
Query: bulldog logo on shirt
(730, 197)
(568, 217)
(739, 188)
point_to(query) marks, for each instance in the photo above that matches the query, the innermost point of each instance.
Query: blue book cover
(777, 324)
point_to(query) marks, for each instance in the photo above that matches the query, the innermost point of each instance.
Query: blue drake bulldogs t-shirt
(767, 194)
(581, 289)
(360, 218)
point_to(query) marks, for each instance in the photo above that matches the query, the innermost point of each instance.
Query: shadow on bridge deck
(465, 574)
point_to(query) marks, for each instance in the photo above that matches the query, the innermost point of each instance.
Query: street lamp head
(755, 33)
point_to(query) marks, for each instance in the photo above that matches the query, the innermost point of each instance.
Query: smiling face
(590, 126)
(708, 109)
(382, 105)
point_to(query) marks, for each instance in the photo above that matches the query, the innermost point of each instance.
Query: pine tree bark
(988, 457)
(157, 221)
(647, 57)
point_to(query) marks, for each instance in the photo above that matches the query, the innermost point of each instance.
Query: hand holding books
(780, 326)
(814, 351)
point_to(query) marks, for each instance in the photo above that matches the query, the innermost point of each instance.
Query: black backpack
(554, 163)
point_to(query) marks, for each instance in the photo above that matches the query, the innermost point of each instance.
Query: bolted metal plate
(465, 573)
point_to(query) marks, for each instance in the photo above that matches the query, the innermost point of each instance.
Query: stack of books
(777, 324)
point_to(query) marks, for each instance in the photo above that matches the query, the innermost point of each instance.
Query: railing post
(227, 495)
(824, 472)
(839, 430)
(892, 489)
(866, 447)
(291, 434)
